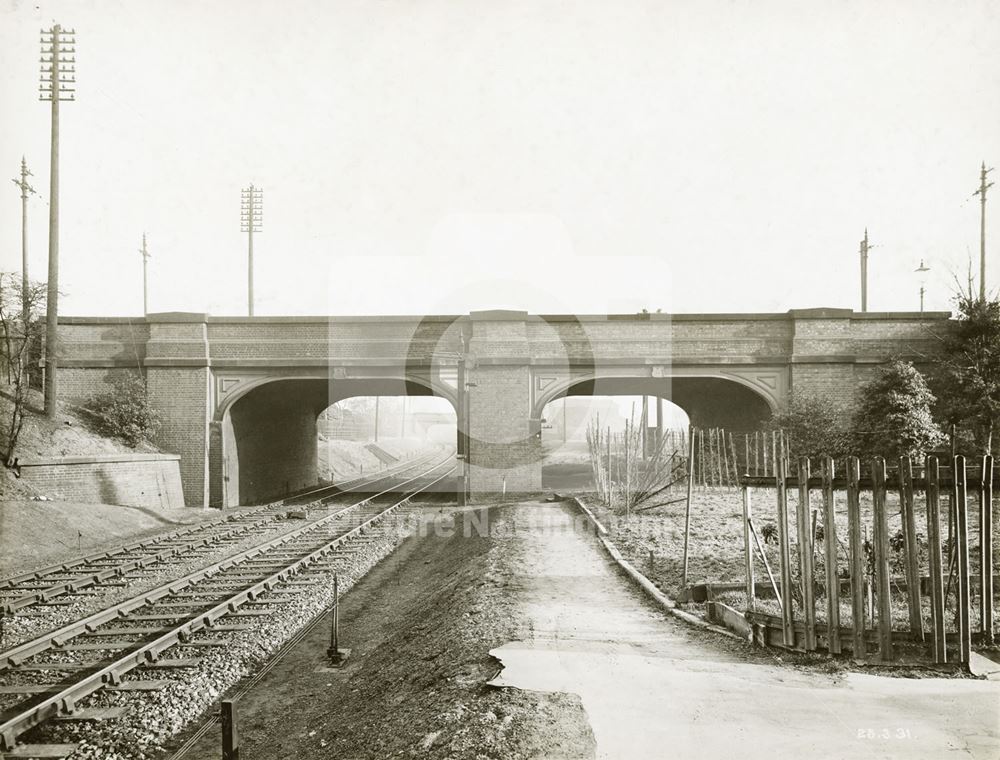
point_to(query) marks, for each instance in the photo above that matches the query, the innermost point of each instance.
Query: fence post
(912, 548)
(787, 612)
(334, 651)
(933, 474)
(230, 731)
(687, 509)
(986, 551)
(805, 547)
(747, 549)
(882, 560)
(962, 547)
(857, 556)
(830, 554)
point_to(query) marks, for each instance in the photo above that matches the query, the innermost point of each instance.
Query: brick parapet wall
(136, 480)
(192, 359)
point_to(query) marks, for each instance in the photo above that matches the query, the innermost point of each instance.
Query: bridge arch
(710, 398)
(264, 433)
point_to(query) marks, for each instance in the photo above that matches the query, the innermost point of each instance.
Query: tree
(814, 425)
(21, 346)
(893, 417)
(125, 413)
(967, 372)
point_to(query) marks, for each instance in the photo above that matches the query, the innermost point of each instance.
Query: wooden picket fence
(927, 494)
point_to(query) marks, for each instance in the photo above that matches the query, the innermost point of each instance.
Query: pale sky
(439, 156)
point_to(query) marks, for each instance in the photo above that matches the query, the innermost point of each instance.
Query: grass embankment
(35, 533)
(715, 553)
(69, 434)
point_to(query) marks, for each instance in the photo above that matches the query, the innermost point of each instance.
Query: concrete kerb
(647, 585)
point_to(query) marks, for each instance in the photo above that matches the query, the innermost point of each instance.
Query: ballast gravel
(151, 718)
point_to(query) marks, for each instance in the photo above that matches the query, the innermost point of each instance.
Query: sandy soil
(420, 627)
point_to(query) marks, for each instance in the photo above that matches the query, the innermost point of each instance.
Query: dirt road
(654, 688)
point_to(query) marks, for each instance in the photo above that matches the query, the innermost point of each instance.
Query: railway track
(49, 586)
(53, 675)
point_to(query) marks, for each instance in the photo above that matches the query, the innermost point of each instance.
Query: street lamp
(923, 278)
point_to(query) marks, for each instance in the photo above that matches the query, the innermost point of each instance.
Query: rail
(66, 698)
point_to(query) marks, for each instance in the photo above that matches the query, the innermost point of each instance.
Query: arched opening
(362, 435)
(670, 403)
(270, 434)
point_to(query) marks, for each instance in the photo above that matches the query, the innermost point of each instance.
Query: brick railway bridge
(239, 396)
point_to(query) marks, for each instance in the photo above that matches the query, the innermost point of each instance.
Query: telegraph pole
(921, 271)
(60, 57)
(981, 192)
(250, 218)
(864, 271)
(145, 278)
(26, 190)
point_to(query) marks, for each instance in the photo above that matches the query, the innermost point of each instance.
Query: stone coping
(99, 459)
(505, 315)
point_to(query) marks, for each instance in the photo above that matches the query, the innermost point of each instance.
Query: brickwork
(835, 382)
(503, 442)
(197, 365)
(79, 385)
(273, 435)
(181, 396)
(135, 480)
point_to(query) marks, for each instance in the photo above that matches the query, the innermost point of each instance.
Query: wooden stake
(986, 551)
(857, 556)
(687, 509)
(830, 555)
(932, 473)
(701, 457)
(962, 547)
(805, 548)
(735, 460)
(748, 550)
(724, 460)
(882, 559)
(787, 613)
(230, 731)
(912, 548)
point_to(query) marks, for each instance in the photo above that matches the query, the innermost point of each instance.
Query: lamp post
(921, 270)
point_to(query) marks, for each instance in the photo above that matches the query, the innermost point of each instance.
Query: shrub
(125, 412)
(815, 426)
(967, 374)
(893, 417)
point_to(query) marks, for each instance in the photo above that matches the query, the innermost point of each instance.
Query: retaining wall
(137, 480)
